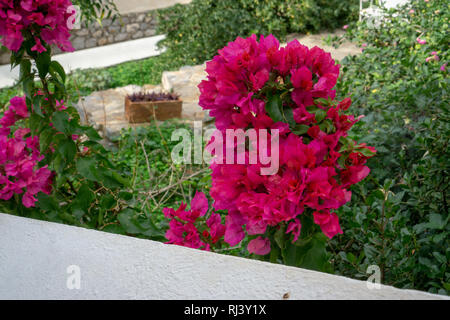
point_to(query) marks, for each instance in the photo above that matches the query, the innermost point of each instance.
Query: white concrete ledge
(35, 255)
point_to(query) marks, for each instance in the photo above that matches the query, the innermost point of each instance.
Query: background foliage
(96, 9)
(399, 217)
(196, 31)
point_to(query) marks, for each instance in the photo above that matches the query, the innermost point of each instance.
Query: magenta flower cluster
(45, 20)
(315, 170)
(190, 229)
(19, 158)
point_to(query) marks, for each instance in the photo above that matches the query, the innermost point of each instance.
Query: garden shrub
(285, 211)
(400, 220)
(155, 182)
(52, 167)
(196, 31)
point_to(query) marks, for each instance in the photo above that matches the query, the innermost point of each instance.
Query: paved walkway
(347, 48)
(98, 57)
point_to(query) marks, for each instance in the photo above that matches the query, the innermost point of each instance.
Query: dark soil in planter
(144, 107)
(153, 96)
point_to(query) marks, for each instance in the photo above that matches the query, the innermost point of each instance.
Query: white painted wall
(35, 255)
(394, 3)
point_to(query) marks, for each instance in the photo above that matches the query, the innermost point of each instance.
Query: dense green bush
(197, 30)
(92, 10)
(155, 183)
(399, 218)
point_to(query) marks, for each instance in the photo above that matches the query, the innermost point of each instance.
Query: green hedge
(399, 216)
(196, 31)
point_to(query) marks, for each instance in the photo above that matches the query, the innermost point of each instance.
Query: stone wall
(126, 27)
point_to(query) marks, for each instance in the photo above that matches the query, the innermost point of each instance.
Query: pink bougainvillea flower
(217, 229)
(234, 232)
(421, 41)
(345, 27)
(19, 158)
(19, 106)
(184, 225)
(294, 227)
(302, 78)
(38, 46)
(259, 246)
(60, 105)
(200, 203)
(44, 18)
(328, 222)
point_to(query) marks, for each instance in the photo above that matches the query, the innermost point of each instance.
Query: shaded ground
(347, 48)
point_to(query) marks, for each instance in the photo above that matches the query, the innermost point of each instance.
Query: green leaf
(25, 69)
(47, 202)
(436, 221)
(28, 87)
(315, 255)
(322, 101)
(128, 221)
(280, 237)
(114, 228)
(273, 108)
(68, 149)
(83, 201)
(326, 126)
(366, 152)
(59, 163)
(288, 115)
(36, 124)
(109, 178)
(87, 168)
(320, 115)
(55, 66)
(300, 129)
(439, 257)
(37, 100)
(43, 64)
(108, 202)
(92, 133)
(61, 123)
(274, 254)
(45, 138)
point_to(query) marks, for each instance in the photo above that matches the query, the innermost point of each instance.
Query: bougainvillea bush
(51, 167)
(40, 20)
(254, 83)
(19, 158)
